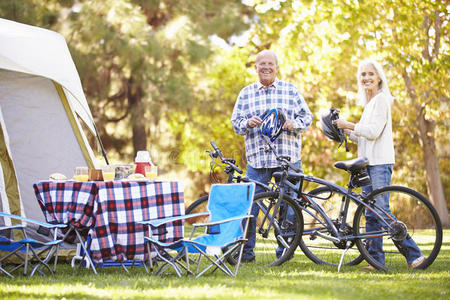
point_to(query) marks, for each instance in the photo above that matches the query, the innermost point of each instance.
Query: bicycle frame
(231, 169)
(349, 195)
(297, 189)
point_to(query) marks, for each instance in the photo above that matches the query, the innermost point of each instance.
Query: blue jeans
(380, 175)
(263, 175)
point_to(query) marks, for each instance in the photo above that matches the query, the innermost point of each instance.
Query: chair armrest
(159, 222)
(11, 227)
(222, 221)
(47, 225)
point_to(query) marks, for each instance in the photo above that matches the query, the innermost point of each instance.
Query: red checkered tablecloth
(111, 209)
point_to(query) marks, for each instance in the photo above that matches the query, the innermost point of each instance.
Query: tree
(152, 75)
(321, 44)
(412, 37)
(136, 59)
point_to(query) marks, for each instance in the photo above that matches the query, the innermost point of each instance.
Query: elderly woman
(373, 133)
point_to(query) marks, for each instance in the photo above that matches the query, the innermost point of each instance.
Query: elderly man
(253, 101)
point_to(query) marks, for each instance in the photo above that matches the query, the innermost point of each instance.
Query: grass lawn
(297, 279)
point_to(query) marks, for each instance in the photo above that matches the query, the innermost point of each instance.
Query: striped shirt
(255, 99)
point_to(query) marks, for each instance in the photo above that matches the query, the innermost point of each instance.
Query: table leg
(86, 253)
(83, 245)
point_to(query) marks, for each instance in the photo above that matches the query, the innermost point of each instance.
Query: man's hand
(288, 125)
(254, 121)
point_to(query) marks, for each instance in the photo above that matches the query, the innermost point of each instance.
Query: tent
(42, 108)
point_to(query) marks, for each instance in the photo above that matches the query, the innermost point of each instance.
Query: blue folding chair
(29, 251)
(228, 206)
(9, 246)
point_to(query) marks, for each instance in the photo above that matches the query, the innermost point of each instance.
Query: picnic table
(107, 212)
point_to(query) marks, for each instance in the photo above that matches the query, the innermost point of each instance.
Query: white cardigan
(373, 132)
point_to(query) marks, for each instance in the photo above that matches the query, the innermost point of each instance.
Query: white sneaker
(417, 262)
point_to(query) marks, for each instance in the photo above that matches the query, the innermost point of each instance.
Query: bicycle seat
(352, 165)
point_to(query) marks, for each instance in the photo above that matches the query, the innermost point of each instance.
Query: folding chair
(28, 250)
(228, 206)
(9, 246)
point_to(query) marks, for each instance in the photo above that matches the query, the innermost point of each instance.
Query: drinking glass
(81, 173)
(109, 172)
(151, 172)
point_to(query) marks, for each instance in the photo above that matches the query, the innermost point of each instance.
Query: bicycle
(329, 234)
(332, 238)
(274, 228)
(270, 195)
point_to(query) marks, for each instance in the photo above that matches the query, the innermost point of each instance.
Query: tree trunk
(138, 123)
(434, 182)
(431, 162)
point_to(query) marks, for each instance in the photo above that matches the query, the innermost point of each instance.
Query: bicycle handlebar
(216, 149)
(229, 161)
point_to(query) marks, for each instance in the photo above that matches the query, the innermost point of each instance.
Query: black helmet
(330, 130)
(272, 123)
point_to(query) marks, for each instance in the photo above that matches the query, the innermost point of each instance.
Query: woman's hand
(343, 124)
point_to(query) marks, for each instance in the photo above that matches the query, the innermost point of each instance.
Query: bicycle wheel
(316, 247)
(197, 206)
(415, 222)
(277, 245)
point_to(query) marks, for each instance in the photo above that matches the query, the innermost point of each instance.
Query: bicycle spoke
(284, 231)
(314, 243)
(416, 231)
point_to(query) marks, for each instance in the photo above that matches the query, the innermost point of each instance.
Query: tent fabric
(41, 99)
(8, 183)
(41, 139)
(42, 52)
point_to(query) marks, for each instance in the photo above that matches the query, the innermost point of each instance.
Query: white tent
(42, 105)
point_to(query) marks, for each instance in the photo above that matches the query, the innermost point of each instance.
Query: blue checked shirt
(255, 99)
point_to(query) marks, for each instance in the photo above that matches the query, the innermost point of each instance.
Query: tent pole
(101, 144)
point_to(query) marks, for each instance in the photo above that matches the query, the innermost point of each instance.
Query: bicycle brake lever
(212, 154)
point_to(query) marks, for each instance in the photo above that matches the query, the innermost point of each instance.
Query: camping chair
(7, 245)
(228, 206)
(28, 250)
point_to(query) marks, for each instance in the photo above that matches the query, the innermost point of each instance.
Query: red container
(140, 167)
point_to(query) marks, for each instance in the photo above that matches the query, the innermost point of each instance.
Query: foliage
(144, 51)
(320, 45)
(137, 58)
(209, 117)
(33, 12)
(156, 77)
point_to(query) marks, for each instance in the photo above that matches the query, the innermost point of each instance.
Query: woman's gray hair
(383, 85)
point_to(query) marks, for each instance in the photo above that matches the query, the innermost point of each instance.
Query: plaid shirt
(255, 99)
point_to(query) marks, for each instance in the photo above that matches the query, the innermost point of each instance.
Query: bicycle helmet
(330, 130)
(272, 123)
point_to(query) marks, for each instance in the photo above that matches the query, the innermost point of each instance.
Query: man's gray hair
(265, 51)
